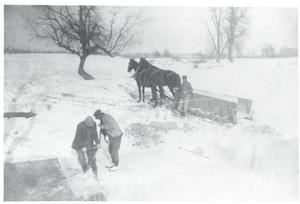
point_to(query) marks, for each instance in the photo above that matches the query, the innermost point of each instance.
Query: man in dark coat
(186, 94)
(86, 142)
(110, 128)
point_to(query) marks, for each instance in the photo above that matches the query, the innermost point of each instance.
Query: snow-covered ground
(253, 160)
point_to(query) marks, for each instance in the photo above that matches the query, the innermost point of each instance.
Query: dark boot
(95, 170)
(84, 168)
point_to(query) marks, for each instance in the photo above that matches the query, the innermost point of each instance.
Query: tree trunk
(81, 71)
(230, 53)
(218, 58)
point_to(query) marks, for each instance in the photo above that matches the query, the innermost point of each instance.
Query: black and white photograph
(150, 102)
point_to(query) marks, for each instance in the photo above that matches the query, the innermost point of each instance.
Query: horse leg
(152, 99)
(154, 94)
(143, 93)
(161, 93)
(139, 88)
(171, 90)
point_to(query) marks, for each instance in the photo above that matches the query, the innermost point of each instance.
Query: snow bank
(257, 159)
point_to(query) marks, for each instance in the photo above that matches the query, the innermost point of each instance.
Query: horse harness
(139, 76)
(170, 74)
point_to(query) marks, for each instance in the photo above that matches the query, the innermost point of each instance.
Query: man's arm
(102, 130)
(99, 138)
(95, 135)
(78, 134)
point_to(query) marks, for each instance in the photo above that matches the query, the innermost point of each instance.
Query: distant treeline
(266, 52)
(167, 54)
(26, 51)
(37, 51)
(270, 52)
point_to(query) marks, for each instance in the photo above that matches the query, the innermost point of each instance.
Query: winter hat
(89, 121)
(97, 113)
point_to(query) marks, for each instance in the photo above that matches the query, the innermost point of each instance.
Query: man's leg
(111, 149)
(82, 160)
(186, 104)
(92, 161)
(116, 143)
(180, 105)
(110, 152)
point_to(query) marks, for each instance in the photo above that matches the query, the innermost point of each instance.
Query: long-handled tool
(196, 153)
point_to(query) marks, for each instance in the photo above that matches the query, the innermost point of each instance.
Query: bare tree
(235, 27)
(216, 31)
(268, 51)
(86, 30)
(166, 53)
(288, 52)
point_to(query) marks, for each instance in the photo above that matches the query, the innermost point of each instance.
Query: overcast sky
(178, 29)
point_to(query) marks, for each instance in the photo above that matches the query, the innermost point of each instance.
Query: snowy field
(253, 160)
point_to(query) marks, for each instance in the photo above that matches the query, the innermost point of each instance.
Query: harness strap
(170, 74)
(153, 73)
(140, 74)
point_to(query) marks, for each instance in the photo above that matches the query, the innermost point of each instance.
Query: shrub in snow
(147, 135)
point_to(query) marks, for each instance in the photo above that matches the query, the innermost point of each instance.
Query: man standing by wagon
(186, 93)
(86, 142)
(110, 128)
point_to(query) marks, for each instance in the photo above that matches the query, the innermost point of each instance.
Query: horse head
(144, 63)
(132, 65)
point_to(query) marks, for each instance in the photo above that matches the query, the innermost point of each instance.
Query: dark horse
(146, 77)
(170, 79)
